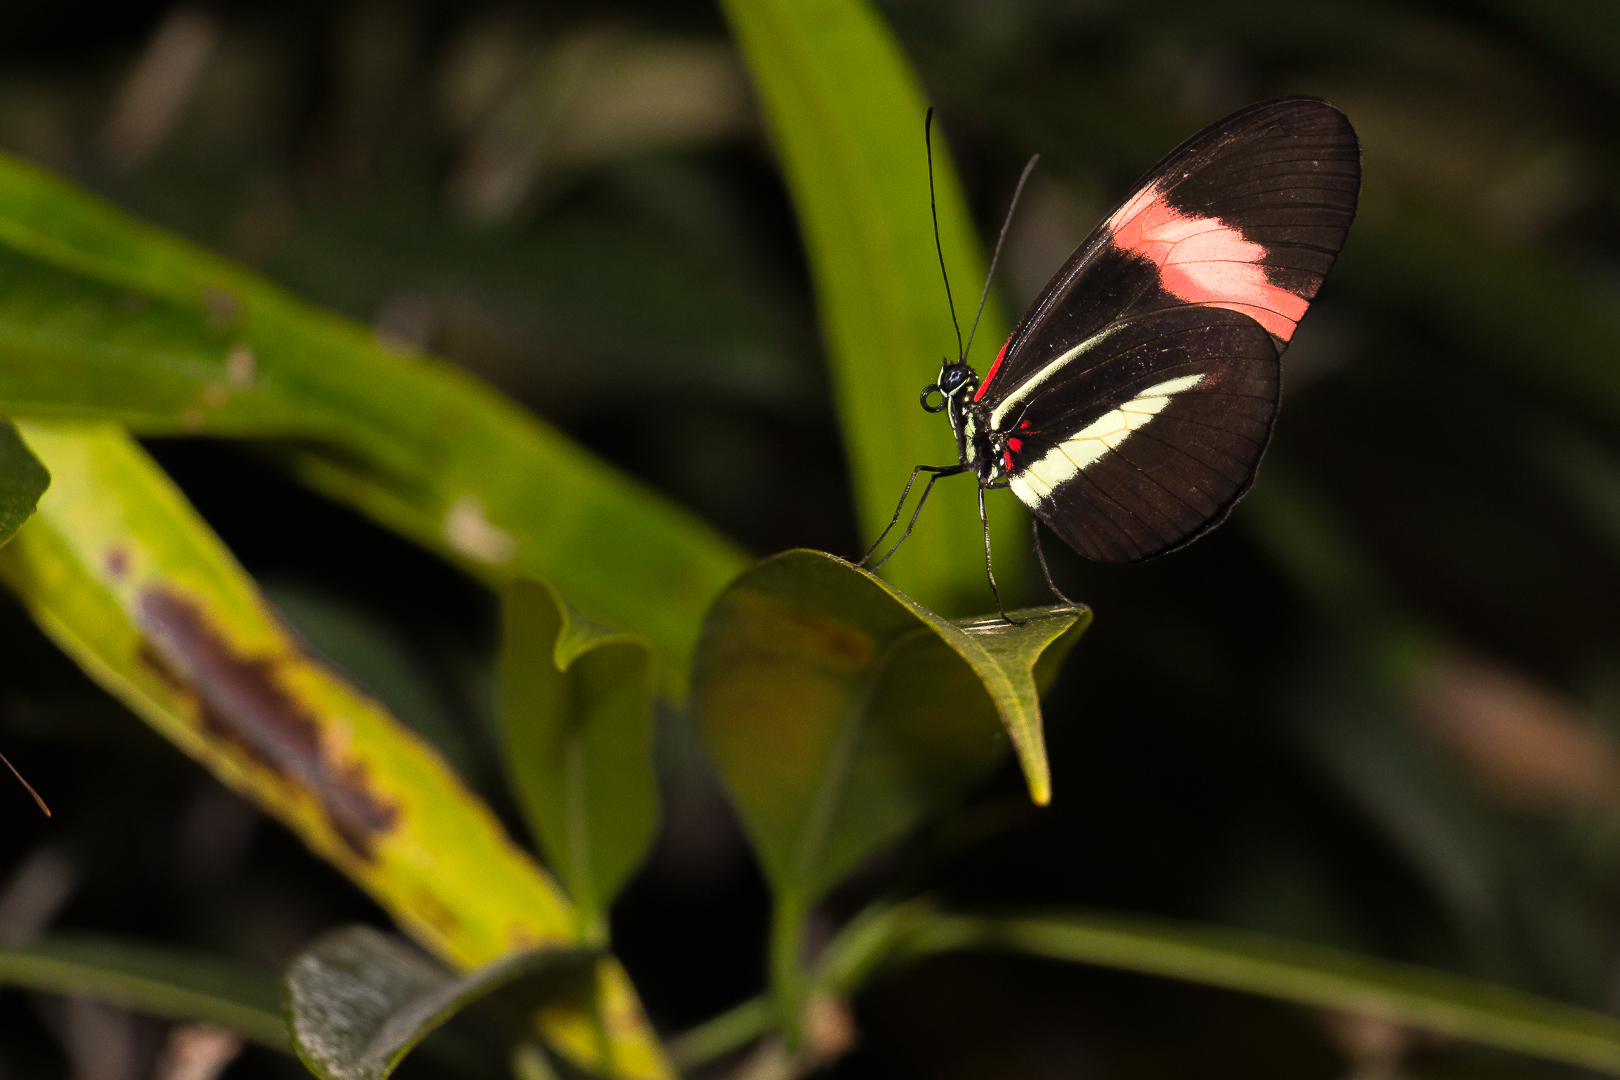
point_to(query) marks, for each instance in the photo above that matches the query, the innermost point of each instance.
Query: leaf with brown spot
(177, 630)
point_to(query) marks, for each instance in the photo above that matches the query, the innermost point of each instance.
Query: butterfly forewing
(1138, 393)
(1249, 214)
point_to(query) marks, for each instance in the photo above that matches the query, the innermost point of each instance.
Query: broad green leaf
(841, 713)
(359, 1000)
(160, 981)
(1292, 971)
(22, 481)
(120, 571)
(577, 725)
(105, 318)
(846, 115)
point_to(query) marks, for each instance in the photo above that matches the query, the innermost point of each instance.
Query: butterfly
(1130, 406)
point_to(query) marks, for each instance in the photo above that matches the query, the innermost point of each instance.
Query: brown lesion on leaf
(116, 560)
(241, 700)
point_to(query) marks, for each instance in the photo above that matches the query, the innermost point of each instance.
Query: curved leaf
(576, 718)
(1288, 971)
(164, 982)
(121, 572)
(359, 1000)
(846, 113)
(841, 713)
(104, 318)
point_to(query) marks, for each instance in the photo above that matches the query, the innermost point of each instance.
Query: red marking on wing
(1015, 445)
(1205, 261)
(1005, 456)
(995, 367)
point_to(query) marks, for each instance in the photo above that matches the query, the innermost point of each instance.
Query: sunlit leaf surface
(122, 574)
(846, 113)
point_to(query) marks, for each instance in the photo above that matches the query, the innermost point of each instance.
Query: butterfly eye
(953, 379)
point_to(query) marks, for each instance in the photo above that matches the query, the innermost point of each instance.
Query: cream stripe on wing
(1021, 392)
(1041, 477)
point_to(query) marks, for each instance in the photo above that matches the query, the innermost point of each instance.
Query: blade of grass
(846, 113)
(1305, 974)
(158, 981)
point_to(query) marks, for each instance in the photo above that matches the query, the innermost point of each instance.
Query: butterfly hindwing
(1146, 436)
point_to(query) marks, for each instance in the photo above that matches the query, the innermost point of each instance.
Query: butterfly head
(955, 378)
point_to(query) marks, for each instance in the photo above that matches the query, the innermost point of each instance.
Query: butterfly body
(1131, 405)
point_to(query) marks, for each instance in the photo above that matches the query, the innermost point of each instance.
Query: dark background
(1378, 709)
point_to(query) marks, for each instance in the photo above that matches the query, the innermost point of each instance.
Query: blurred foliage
(1379, 710)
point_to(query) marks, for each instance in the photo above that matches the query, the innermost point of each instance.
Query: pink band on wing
(1205, 261)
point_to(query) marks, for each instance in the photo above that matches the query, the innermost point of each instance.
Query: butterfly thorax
(978, 445)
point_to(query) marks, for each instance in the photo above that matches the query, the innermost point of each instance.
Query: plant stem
(787, 970)
(732, 1029)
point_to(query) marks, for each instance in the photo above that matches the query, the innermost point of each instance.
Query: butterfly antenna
(928, 143)
(27, 785)
(1002, 239)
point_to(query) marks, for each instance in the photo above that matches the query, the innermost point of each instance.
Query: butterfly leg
(937, 471)
(1035, 528)
(988, 572)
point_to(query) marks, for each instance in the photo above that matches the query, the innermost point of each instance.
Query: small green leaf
(359, 1000)
(163, 982)
(841, 712)
(846, 113)
(22, 481)
(576, 718)
(1305, 974)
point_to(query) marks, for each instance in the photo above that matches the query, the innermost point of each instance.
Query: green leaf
(576, 719)
(841, 713)
(104, 318)
(22, 481)
(164, 982)
(1292, 971)
(359, 1000)
(846, 114)
(122, 574)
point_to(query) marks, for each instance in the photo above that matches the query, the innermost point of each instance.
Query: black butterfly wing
(1146, 438)
(1139, 390)
(1249, 215)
